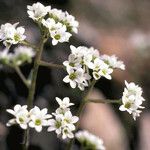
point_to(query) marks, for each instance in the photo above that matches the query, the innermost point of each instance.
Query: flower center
(127, 105)
(37, 122)
(67, 120)
(104, 72)
(65, 131)
(57, 36)
(71, 64)
(16, 37)
(96, 75)
(21, 120)
(58, 124)
(72, 76)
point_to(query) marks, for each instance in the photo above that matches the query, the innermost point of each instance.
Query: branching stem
(50, 65)
(22, 77)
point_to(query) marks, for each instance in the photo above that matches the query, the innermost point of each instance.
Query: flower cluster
(89, 141)
(60, 25)
(19, 56)
(11, 34)
(84, 63)
(132, 99)
(35, 118)
(63, 122)
(113, 62)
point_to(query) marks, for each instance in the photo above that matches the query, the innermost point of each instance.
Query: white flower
(100, 69)
(105, 71)
(113, 62)
(132, 99)
(89, 140)
(9, 34)
(73, 62)
(37, 11)
(84, 83)
(39, 118)
(19, 35)
(63, 125)
(56, 124)
(5, 56)
(74, 77)
(64, 18)
(65, 103)
(63, 121)
(7, 31)
(59, 34)
(71, 23)
(21, 115)
(67, 133)
(69, 120)
(80, 51)
(23, 54)
(96, 65)
(49, 23)
(57, 14)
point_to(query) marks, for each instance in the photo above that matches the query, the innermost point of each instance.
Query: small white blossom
(57, 14)
(37, 11)
(89, 141)
(11, 34)
(23, 54)
(69, 120)
(100, 69)
(105, 71)
(63, 124)
(67, 133)
(76, 77)
(21, 115)
(39, 118)
(132, 99)
(59, 34)
(56, 124)
(5, 56)
(63, 121)
(49, 23)
(113, 62)
(65, 103)
(73, 62)
(66, 19)
(19, 56)
(71, 23)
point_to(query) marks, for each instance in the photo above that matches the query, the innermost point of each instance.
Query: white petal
(23, 126)
(51, 129)
(73, 84)
(59, 101)
(31, 124)
(38, 128)
(54, 42)
(122, 108)
(10, 111)
(66, 79)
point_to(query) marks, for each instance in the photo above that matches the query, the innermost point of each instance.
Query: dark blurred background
(114, 27)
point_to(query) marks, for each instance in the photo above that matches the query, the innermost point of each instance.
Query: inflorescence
(83, 65)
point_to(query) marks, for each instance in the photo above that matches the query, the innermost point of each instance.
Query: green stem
(33, 83)
(26, 139)
(22, 77)
(35, 72)
(50, 65)
(83, 102)
(26, 43)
